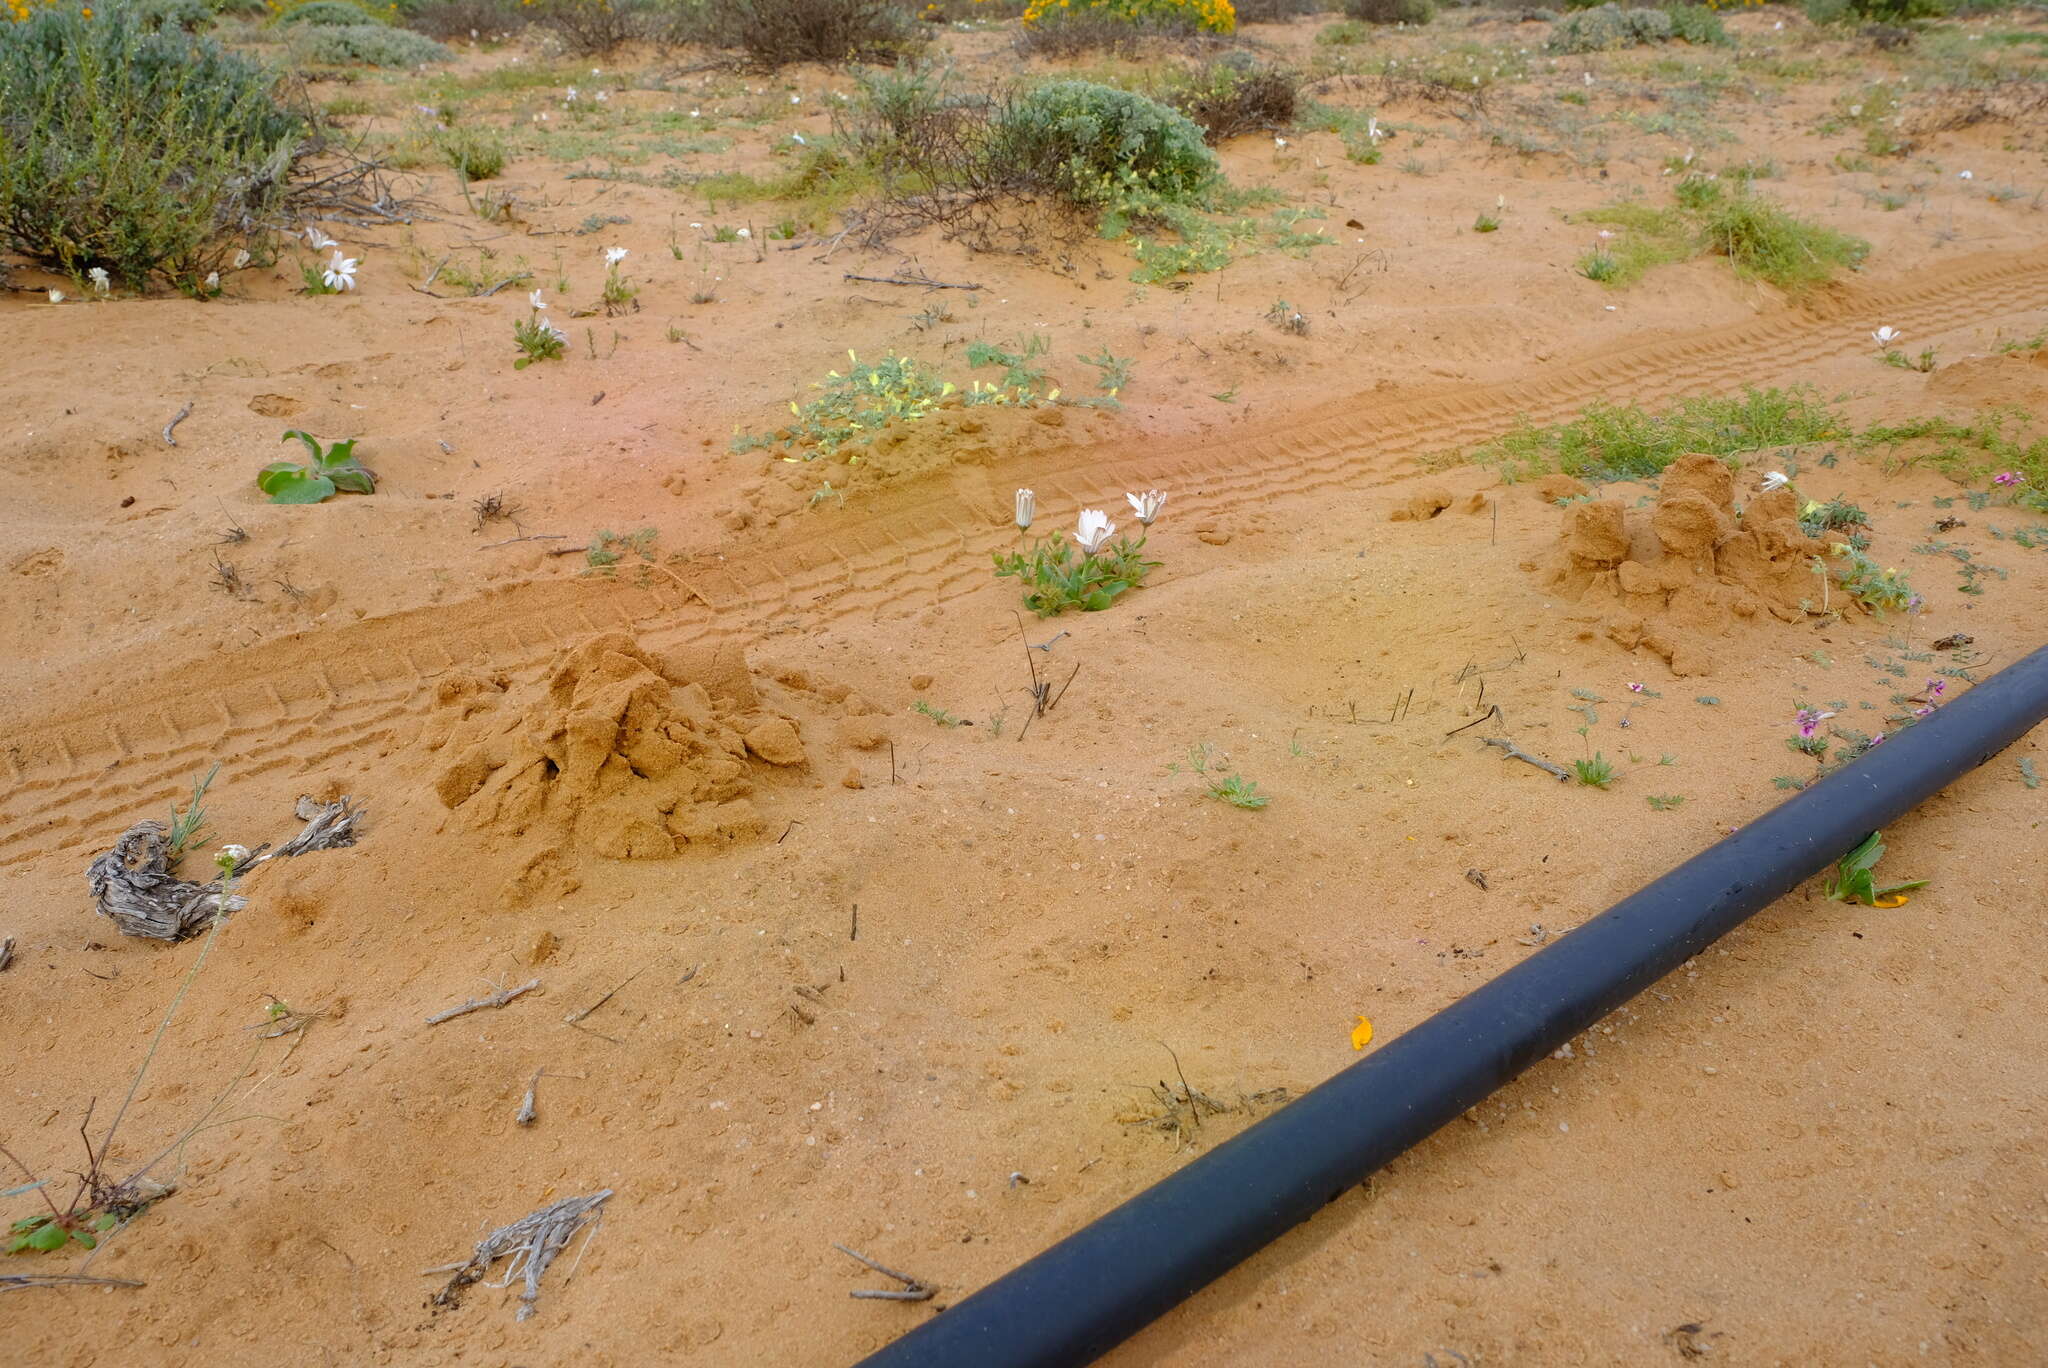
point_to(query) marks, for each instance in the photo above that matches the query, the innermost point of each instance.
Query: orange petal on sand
(1899, 901)
(1361, 1034)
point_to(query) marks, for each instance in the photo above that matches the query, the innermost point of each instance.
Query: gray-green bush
(139, 149)
(1106, 148)
(364, 44)
(325, 13)
(1609, 27)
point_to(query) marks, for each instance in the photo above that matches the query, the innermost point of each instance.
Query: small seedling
(938, 715)
(331, 470)
(1486, 223)
(1223, 786)
(189, 823)
(607, 549)
(1665, 802)
(1597, 772)
(1854, 878)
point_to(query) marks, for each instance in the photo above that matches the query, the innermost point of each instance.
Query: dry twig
(497, 999)
(1515, 752)
(914, 1289)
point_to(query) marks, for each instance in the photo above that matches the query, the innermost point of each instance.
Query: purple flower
(1877, 740)
(2006, 477)
(1922, 712)
(1936, 688)
(1635, 688)
(1809, 720)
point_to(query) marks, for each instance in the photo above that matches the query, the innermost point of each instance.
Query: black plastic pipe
(1114, 1276)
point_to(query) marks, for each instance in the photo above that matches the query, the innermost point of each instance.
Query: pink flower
(1936, 688)
(2007, 478)
(1635, 688)
(1809, 720)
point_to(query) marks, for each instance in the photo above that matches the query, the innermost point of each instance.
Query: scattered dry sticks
(1515, 752)
(497, 999)
(914, 1289)
(6, 951)
(1043, 699)
(531, 1243)
(170, 427)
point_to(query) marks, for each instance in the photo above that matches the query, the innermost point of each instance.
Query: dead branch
(531, 1243)
(920, 279)
(497, 999)
(1515, 752)
(14, 1282)
(183, 414)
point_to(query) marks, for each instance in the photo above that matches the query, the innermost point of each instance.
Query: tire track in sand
(77, 773)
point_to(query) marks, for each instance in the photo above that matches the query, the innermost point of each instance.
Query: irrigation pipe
(1115, 1275)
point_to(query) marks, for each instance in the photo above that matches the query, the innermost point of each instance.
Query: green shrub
(141, 150)
(330, 13)
(1761, 239)
(1105, 148)
(1609, 27)
(1391, 11)
(1698, 25)
(477, 154)
(364, 44)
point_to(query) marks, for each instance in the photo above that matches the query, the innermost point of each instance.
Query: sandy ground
(862, 976)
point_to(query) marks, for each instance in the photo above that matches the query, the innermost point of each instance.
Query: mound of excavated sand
(1691, 567)
(629, 754)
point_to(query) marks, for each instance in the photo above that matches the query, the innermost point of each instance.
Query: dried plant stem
(498, 999)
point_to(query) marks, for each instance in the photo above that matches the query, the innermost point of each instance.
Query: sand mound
(629, 754)
(1689, 568)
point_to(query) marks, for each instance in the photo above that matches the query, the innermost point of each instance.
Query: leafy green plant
(49, 1231)
(852, 407)
(1058, 575)
(137, 149)
(608, 548)
(1597, 772)
(1665, 802)
(1018, 372)
(1486, 223)
(1879, 589)
(1923, 363)
(537, 338)
(1837, 513)
(1854, 879)
(1601, 265)
(1218, 781)
(1115, 371)
(937, 715)
(331, 470)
